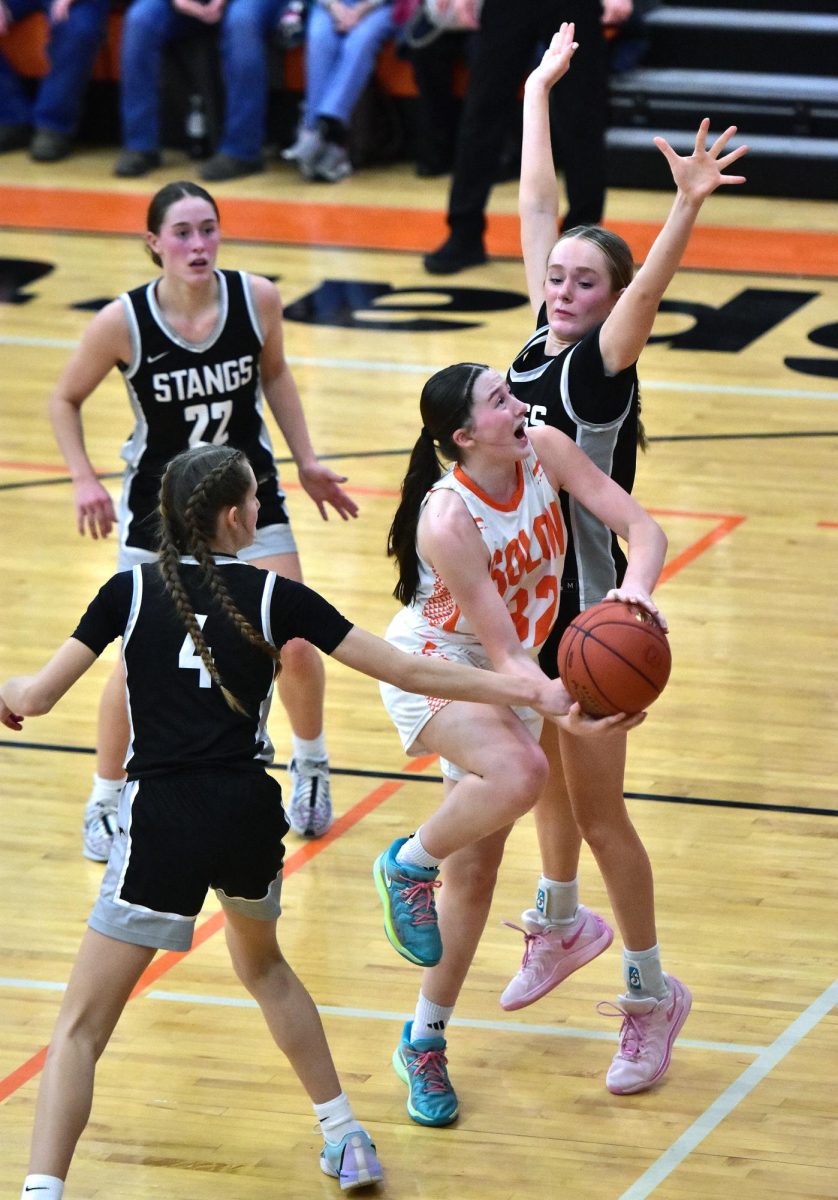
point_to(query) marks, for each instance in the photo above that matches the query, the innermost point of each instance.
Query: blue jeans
(73, 45)
(147, 27)
(339, 65)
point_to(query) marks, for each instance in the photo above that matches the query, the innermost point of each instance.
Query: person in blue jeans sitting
(343, 38)
(47, 123)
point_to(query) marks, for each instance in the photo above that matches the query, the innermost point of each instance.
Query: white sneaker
(310, 807)
(332, 165)
(308, 143)
(99, 828)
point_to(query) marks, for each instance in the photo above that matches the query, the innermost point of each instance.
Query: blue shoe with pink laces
(422, 1065)
(407, 894)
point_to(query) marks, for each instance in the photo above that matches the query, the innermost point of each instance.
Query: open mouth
(521, 431)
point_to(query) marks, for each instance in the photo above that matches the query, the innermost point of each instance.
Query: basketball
(614, 658)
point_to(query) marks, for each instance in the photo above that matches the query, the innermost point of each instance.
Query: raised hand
(556, 58)
(697, 175)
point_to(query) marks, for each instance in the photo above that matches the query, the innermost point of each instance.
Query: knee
(525, 776)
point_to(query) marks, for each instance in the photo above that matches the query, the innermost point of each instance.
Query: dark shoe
(48, 145)
(455, 255)
(133, 163)
(14, 137)
(224, 166)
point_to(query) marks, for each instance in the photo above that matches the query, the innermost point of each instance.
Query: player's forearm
(538, 190)
(67, 427)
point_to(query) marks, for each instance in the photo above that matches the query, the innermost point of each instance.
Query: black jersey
(188, 393)
(178, 716)
(572, 392)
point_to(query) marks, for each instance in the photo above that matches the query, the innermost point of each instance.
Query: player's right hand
(95, 512)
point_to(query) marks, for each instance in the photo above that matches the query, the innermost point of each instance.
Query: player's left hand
(556, 59)
(8, 718)
(323, 485)
(581, 724)
(642, 600)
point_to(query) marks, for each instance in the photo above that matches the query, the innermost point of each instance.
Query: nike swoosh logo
(569, 943)
(152, 358)
(39, 1187)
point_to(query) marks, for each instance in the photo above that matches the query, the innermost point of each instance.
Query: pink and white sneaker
(552, 952)
(649, 1028)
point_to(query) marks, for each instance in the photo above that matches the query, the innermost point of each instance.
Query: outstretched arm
(280, 388)
(538, 192)
(33, 695)
(697, 175)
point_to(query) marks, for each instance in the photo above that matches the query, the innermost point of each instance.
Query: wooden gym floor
(731, 780)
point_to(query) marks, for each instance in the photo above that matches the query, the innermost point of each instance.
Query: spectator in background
(510, 34)
(148, 26)
(343, 38)
(48, 122)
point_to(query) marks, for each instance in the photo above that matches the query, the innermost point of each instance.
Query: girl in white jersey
(578, 373)
(201, 636)
(480, 552)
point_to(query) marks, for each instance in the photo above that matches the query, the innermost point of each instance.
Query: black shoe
(14, 137)
(224, 166)
(455, 255)
(48, 145)
(133, 163)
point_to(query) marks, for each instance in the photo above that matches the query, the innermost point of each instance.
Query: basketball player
(198, 349)
(578, 373)
(201, 636)
(480, 552)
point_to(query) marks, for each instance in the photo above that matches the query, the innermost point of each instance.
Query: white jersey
(526, 541)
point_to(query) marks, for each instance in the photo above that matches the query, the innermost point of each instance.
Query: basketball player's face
(188, 239)
(498, 419)
(248, 511)
(578, 289)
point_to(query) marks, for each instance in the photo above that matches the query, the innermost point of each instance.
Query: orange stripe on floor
(370, 227)
(164, 962)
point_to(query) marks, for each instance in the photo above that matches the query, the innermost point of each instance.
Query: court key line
(732, 1096)
(426, 369)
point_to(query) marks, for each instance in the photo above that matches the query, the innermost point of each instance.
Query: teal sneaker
(407, 893)
(422, 1065)
(352, 1161)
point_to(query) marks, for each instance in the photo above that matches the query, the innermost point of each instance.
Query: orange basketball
(614, 658)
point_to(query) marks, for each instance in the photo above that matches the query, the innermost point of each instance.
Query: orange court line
(165, 961)
(375, 227)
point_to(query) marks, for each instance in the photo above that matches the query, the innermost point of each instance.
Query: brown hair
(163, 200)
(445, 406)
(196, 486)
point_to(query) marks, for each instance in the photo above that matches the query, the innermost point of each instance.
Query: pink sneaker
(649, 1028)
(553, 952)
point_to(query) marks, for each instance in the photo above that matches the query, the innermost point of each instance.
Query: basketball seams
(599, 674)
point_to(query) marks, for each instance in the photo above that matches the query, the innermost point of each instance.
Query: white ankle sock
(557, 901)
(42, 1187)
(643, 974)
(430, 1020)
(414, 853)
(106, 789)
(335, 1117)
(313, 748)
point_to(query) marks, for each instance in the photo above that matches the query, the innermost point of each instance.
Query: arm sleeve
(107, 613)
(299, 611)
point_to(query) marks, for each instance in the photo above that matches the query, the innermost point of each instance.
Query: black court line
(369, 454)
(405, 777)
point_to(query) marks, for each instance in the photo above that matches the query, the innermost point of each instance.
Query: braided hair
(196, 486)
(445, 406)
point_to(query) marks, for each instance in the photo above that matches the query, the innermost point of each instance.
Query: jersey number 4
(190, 660)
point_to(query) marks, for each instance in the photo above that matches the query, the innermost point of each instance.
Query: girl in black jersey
(201, 638)
(201, 352)
(578, 373)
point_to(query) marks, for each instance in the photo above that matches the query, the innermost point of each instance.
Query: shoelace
(631, 1032)
(430, 1064)
(419, 898)
(531, 941)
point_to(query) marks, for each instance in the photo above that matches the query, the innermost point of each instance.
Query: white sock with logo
(42, 1187)
(108, 790)
(430, 1020)
(556, 901)
(336, 1118)
(643, 974)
